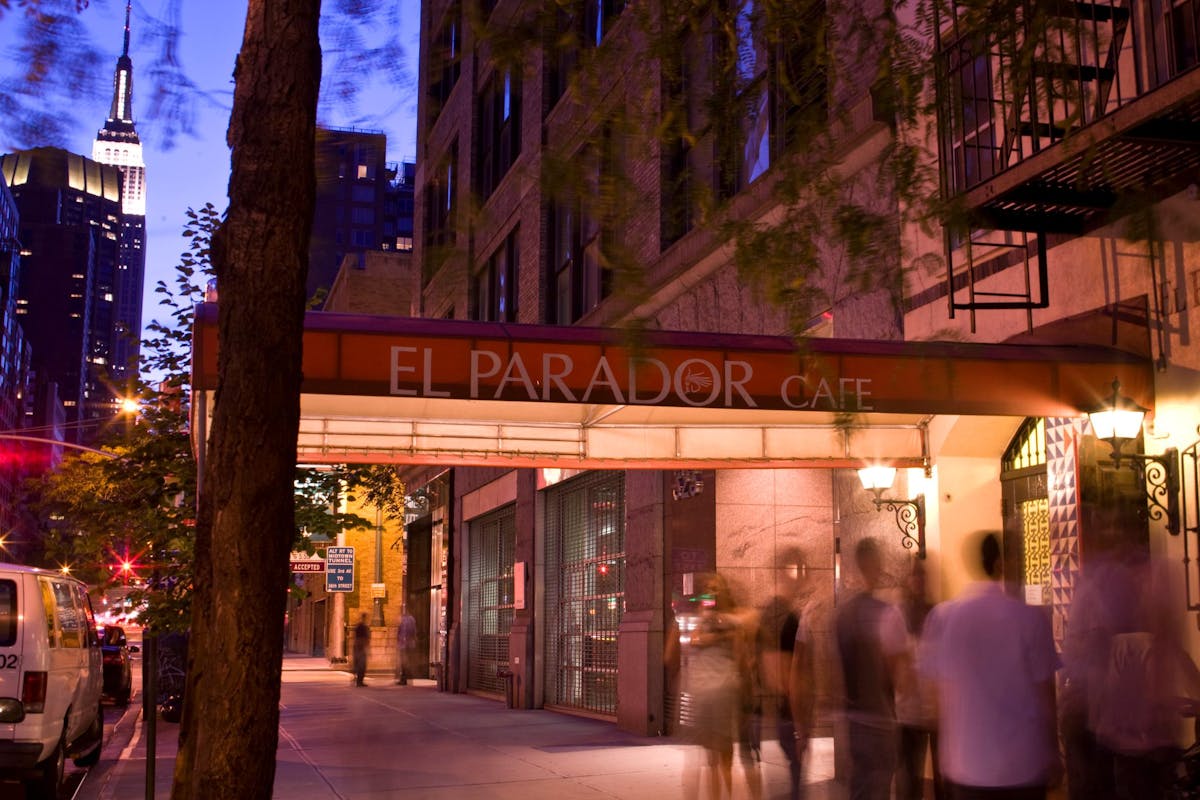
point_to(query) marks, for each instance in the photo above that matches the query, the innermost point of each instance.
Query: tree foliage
(139, 504)
(139, 501)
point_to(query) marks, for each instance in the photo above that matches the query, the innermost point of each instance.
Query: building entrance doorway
(1026, 512)
(585, 590)
(490, 599)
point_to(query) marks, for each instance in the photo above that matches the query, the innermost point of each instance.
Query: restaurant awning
(450, 392)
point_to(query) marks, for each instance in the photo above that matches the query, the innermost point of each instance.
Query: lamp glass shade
(1119, 423)
(877, 477)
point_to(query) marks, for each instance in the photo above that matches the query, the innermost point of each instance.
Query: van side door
(95, 657)
(10, 644)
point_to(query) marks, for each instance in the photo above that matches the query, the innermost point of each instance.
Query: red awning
(456, 392)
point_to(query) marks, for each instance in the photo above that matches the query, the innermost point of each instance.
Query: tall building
(550, 189)
(568, 493)
(398, 208)
(117, 143)
(353, 183)
(70, 231)
(14, 363)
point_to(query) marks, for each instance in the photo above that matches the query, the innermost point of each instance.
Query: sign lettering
(696, 381)
(339, 574)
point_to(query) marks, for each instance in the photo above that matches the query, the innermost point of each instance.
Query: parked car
(50, 678)
(118, 675)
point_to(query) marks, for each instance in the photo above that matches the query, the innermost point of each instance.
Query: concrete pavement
(339, 742)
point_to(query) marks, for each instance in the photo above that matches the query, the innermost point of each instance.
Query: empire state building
(117, 143)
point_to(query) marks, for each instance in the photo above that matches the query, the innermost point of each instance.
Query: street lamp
(910, 514)
(1119, 420)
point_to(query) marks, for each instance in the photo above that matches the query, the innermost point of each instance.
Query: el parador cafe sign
(490, 362)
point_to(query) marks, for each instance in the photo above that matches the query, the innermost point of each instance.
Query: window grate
(490, 598)
(585, 592)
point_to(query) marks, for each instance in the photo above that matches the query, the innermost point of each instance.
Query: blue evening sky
(193, 167)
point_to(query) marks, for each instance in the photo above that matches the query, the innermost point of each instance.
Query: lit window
(108, 298)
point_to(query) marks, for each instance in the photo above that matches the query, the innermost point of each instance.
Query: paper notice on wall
(1035, 594)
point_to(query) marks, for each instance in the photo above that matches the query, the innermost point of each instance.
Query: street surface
(338, 742)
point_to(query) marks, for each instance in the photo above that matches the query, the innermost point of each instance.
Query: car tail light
(33, 692)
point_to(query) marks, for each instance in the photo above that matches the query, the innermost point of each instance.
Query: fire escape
(1050, 123)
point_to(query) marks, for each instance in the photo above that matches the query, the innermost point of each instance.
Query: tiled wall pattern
(1062, 474)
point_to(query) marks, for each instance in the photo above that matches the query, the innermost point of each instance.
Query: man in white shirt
(992, 660)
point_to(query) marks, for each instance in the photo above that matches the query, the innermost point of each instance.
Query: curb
(124, 730)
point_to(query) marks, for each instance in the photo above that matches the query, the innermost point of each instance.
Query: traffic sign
(303, 562)
(339, 569)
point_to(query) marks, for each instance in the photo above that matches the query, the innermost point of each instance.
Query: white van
(50, 678)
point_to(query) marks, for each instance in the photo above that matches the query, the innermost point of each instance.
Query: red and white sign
(305, 563)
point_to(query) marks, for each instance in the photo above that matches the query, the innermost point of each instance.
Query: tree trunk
(245, 523)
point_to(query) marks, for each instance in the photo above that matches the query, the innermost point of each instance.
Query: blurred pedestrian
(406, 645)
(992, 660)
(871, 640)
(1105, 604)
(1149, 684)
(362, 638)
(710, 686)
(914, 703)
(785, 658)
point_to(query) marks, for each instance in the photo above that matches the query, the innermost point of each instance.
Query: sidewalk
(340, 742)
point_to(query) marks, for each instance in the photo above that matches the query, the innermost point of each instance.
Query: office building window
(445, 60)
(494, 287)
(599, 17)
(440, 203)
(499, 129)
(580, 277)
(578, 26)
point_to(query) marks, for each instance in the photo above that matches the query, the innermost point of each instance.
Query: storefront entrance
(585, 588)
(490, 599)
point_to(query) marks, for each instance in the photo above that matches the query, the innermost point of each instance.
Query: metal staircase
(1049, 123)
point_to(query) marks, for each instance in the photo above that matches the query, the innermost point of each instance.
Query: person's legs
(960, 792)
(794, 751)
(872, 761)
(910, 764)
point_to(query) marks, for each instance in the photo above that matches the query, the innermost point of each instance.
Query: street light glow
(130, 405)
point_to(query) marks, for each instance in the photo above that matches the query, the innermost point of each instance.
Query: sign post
(339, 569)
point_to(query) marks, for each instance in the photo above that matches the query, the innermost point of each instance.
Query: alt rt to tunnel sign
(339, 573)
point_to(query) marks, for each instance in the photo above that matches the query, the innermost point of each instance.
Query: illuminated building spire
(117, 143)
(121, 112)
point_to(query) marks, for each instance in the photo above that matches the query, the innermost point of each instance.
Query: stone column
(640, 640)
(521, 635)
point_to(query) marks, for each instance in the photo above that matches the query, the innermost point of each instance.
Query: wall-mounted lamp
(1119, 420)
(910, 514)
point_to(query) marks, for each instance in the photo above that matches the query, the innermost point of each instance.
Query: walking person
(710, 682)
(785, 657)
(406, 645)
(871, 641)
(992, 661)
(362, 638)
(914, 703)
